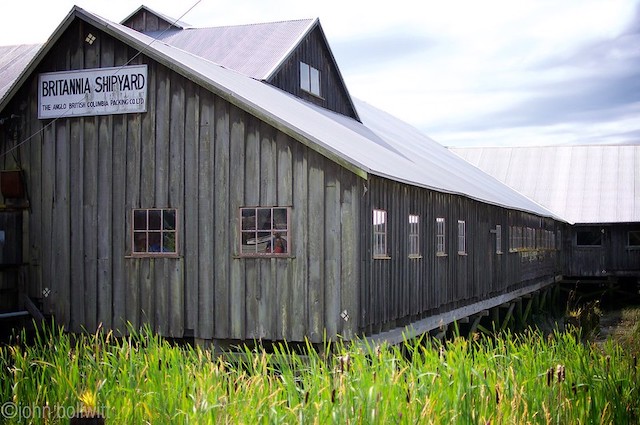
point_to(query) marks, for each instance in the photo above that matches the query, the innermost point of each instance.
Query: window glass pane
(264, 219)
(140, 220)
(169, 242)
(140, 242)
(278, 243)
(315, 81)
(248, 219)
(155, 219)
(634, 238)
(169, 219)
(305, 84)
(591, 237)
(154, 242)
(280, 218)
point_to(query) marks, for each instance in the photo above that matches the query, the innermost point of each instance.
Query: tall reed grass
(527, 378)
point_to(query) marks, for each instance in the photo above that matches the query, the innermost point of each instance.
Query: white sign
(100, 91)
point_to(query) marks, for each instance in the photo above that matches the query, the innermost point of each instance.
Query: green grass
(528, 378)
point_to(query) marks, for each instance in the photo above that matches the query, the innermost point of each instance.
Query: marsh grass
(525, 378)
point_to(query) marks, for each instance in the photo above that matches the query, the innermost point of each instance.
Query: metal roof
(174, 22)
(383, 146)
(13, 60)
(584, 184)
(255, 50)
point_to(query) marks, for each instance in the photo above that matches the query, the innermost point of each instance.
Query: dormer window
(309, 79)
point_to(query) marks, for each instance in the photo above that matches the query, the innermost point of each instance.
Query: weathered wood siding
(398, 290)
(314, 51)
(200, 154)
(145, 21)
(614, 257)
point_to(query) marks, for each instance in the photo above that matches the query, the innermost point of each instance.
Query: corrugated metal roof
(584, 184)
(13, 60)
(254, 50)
(385, 146)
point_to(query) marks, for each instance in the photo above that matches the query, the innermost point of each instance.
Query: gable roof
(388, 148)
(170, 22)
(584, 184)
(13, 60)
(255, 50)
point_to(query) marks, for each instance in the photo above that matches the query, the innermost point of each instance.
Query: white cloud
(444, 66)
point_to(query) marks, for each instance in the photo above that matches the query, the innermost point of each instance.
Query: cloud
(379, 49)
(585, 94)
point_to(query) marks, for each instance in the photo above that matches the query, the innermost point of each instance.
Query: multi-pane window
(414, 235)
(154, 232)
(440, 236)
(513, 239)
(634, 238)
(498, 239)
(309, 79)
(264, 231)
(462, 237)
(379, 234)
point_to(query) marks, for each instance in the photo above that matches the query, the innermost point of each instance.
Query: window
(379, 234)
(440, 237)
(589, 237)
(514, 239)
(498, 239)
(634, 238)
(154, 232)
(309, 79)
(414, 236)
(264, 231)
(462, 237)
(519, 240)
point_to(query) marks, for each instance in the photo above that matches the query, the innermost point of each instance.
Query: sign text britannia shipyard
(102, 91)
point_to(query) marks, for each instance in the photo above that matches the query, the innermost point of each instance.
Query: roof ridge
(252, 24)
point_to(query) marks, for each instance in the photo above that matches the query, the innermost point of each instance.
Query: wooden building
(244, 196)
(595, 187)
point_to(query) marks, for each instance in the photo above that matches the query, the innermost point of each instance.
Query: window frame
(273, 231)
(311, 81)
(414, 236)
(462, 237)
(379, 234)
(162, 231)
(441, 237)
(634, 246)
(592, 231)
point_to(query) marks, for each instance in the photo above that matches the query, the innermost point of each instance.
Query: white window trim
(441, 237)
(414, 237)
(629, 246)
(310, 79)
(498, 239)
(380, 235)
(462, 237)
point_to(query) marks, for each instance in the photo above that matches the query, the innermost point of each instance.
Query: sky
(465, 72)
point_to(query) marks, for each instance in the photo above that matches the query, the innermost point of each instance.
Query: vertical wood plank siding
(195, 152)
(613, 257)
(400, 289)
(312, 51)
